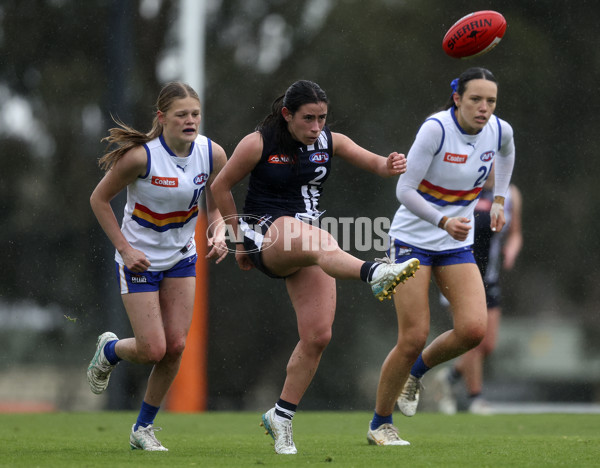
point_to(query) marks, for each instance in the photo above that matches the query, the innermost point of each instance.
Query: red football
(474, 34)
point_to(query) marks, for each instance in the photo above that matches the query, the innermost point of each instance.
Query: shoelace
(103, 370)
(288, 436)
(149, 432)
(390, 432)
(411, 388)
(386, 259)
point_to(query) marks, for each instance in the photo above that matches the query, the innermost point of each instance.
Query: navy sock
(146, 416)
(367, 269)
(109, 352)
(285, 409)
(419, 367)
(379, 420)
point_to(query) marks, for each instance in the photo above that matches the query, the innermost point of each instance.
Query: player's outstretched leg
(388, 275)
(281, 431)
(98, 372)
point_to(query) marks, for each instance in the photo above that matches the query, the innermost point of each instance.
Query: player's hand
(396, 164)
(217, 249)
(497, 219)
(135, 260)
(242, 258)
(458, 227)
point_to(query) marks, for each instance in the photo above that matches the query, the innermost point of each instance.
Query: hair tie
(454, 85)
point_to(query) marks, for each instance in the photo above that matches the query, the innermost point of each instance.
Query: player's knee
(152, 353)
(411, 344)
(175, 348)
(318, 341)
(319, 241)
(487, 346)
(322, 339)
(472, 334)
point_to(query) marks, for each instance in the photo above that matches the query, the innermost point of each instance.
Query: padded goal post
(189, 391)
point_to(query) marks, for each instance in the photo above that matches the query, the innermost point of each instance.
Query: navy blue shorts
(149, 281)
(493, 293)
(254, 228)
(401, 252)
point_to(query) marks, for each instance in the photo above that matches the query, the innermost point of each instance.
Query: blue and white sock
(284, 411)
(367, 269)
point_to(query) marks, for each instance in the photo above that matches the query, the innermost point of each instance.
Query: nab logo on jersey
(487, 156)
(455, 158)
(165, 181)
(279, 159)
(319, 158)
(201, 179)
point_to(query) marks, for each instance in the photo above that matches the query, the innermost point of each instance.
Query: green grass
(329, 439)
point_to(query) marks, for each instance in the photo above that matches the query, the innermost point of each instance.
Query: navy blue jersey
(488, 245)
(280, 187)
(483, 233)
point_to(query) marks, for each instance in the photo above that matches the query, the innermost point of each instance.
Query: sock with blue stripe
(367, 269)
(285, 411)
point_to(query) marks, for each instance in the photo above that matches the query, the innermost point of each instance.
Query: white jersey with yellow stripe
(446, 171)
(162, 206)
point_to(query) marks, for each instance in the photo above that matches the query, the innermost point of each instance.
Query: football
(474, 34)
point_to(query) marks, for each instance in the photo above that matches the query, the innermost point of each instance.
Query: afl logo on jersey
(319, 158)
(487, 156)
(200, 179)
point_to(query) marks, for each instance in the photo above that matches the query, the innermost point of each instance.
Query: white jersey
(446, 171)
(162, 206)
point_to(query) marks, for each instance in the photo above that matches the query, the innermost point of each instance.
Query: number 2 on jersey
(484, 175)
(317, 180)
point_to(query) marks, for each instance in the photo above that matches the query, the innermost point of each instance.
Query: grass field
(323, 439)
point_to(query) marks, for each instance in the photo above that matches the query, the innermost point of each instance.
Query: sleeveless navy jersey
(487, 247)
(483, 233)
(280, 187)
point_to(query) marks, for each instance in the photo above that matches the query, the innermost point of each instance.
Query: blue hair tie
(454, 85)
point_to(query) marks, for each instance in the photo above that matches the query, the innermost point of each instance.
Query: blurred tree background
(67, 66)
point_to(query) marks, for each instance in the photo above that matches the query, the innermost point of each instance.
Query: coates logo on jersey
(455, 158)
(487, 156)
(201, 178)
(319, 158)
(165, 181)
(279, 159)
